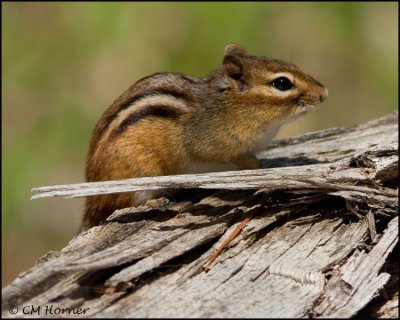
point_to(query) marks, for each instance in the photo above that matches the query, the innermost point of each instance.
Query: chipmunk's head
(274, 89)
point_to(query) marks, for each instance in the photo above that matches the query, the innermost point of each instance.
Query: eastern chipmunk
(170, 123)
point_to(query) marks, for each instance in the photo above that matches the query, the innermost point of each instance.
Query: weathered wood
(358, 280)
(319, 244)
(325, 149)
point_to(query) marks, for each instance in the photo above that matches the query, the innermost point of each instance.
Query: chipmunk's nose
(324, 94)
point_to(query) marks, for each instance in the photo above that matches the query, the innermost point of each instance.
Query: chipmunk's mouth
(302, 110)
(299, 112)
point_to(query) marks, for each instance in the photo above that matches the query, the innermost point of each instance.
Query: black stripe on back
(147, 93)
(157, 111)
(153, 92)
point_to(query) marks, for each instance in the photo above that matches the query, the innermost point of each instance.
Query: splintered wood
(230, 237)
(312, 234)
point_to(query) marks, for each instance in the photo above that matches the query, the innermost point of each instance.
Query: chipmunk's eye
(282, 83)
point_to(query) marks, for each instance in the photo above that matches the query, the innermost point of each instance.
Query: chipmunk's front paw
(247, 161)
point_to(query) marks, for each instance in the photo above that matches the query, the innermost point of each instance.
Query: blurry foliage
(64, 63)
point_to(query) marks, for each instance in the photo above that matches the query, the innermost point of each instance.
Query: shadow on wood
(322, 242)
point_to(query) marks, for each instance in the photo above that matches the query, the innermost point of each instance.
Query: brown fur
(216, 119)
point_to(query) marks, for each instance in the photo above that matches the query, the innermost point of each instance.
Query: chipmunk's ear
(235, 50)
(233, 64)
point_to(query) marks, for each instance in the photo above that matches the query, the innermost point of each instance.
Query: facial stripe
(283, 74)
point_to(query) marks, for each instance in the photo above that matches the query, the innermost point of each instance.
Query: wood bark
(323, 240)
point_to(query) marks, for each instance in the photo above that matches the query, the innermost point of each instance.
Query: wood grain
(323, 243)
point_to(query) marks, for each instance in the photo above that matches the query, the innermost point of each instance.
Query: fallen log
(322, 242)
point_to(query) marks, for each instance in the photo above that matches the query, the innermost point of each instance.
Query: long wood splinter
(232, 236)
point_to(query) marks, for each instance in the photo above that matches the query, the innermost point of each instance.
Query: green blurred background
(64, 63)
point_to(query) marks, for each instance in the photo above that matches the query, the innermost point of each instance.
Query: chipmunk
(171, 123)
